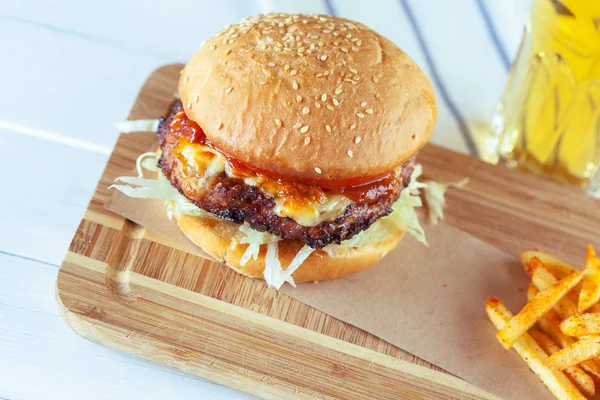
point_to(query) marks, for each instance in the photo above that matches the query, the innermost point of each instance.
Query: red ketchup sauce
(359, 190)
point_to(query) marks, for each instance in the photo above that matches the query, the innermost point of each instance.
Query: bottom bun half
(220, 239)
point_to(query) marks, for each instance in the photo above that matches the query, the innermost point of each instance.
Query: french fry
(585, 349)
(581, 325)
(536, 308)
(558, 268)
(550, 325)
(590, 289)
(543, 278)
(557, 382)
(531, 291)
(583, 381)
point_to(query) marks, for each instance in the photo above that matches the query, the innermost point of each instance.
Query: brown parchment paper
(427, 301)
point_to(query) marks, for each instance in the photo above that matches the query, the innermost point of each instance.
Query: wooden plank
(123, 287)
(45, 189)
(41, 358)
(134, 24)
(74, 97)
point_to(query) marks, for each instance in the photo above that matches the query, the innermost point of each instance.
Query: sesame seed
(228, 52)
(305, 110)
(262, 82)
(350, 153)
(375, 79)
(306, 140)
(353, 126)
(317, 104)
(298, 99)
(228, 90)
(278, 122)
(293, 72)
(353, 70)
(377, 96)
(318, 170)
(323, 58)
(369, 111)
(364, 103)
(297, 125)
(359, 43)
(188, 105)
(345, 50)
(328, 128)
(336, 102)
(338, 90)
(269, 39)
(304, 129)
(220, 126)
(360, 115)
(196, 98)
(271, 64)
(324, 97)
(187, 78)
(230, 41)
(357, 139)
(295, 85)
(213, 47)
(318, 75)
(330, 107)
(286, 67)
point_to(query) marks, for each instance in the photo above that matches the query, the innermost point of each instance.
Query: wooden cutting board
(129, 289)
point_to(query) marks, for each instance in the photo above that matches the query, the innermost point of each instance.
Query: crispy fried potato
(590, 289)
(550, 325)
(557, 382)
(583, 381)
(543, 278)
(535, 309)
(558, 268)
(532, 291)
(581, 325)
(585, 349)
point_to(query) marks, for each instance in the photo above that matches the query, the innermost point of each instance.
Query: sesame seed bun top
(309, 96)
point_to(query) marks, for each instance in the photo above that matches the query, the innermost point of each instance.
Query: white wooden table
(69, 69)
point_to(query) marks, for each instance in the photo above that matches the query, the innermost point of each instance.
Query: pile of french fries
(557, 333)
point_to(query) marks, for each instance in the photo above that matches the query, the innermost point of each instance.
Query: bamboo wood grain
(130, 289)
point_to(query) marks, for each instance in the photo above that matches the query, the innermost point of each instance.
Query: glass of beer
(548, 120)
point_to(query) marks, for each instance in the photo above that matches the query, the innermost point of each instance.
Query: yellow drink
(549, 116)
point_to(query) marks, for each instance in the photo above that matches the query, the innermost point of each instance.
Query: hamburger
(290, 155)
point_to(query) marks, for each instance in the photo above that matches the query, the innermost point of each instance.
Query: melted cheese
(307, 209)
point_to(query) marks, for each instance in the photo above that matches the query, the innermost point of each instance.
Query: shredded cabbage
(254, 239)
(436, 200)
(160, 188)
(404, 214)
(138, 125)
(274, 274)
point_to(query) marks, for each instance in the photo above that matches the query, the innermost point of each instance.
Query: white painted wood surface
(70, 69)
